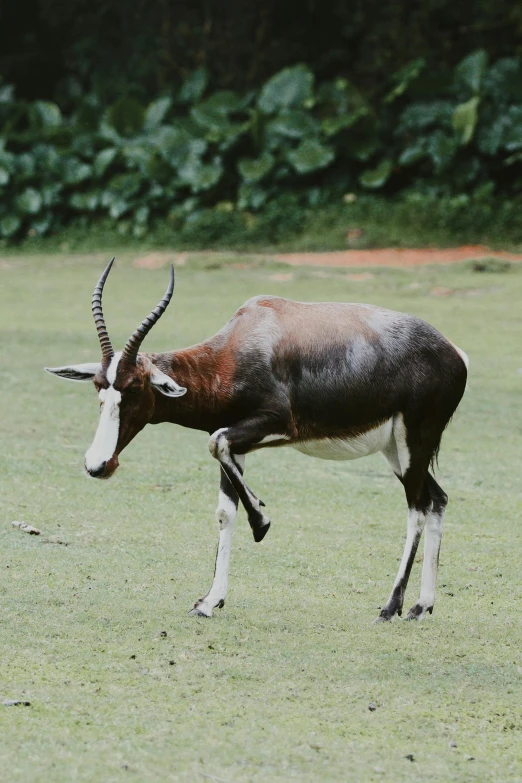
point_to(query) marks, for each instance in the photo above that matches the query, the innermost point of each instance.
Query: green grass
(276, 686)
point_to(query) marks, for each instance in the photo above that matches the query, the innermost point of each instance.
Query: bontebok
(336, 381)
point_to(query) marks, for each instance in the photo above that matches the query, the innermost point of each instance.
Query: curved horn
(130, 352)
(107, 349)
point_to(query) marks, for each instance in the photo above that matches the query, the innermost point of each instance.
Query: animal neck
(208, 380)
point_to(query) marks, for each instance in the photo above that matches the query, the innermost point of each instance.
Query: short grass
(124, 686)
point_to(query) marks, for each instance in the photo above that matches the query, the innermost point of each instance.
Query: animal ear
(166, 385)
(76, 372)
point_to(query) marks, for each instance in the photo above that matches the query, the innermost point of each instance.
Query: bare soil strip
(390, 257)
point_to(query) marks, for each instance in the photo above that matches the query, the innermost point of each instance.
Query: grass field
(123, 685)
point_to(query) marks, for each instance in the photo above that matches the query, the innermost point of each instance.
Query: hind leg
(419, 502)
(432, 540)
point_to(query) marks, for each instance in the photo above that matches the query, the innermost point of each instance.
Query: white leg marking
(430, 565)
(399, 433)
(220, 449)
(272, 438)
(415, 525)
(226, 515)
(396, 450)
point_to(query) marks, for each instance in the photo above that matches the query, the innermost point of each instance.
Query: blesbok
(336, 381)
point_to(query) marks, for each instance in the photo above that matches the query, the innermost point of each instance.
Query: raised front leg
(226, 514)
(225, 445)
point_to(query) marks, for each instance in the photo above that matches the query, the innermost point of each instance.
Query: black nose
(94, 472)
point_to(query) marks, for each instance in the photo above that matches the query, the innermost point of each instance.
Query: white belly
(349, 448)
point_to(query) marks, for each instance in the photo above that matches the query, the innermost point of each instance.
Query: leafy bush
(190, 152)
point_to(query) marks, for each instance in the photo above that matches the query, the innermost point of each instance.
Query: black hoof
(260, 532)
(196, 612)
(417, 612)
(385, 616)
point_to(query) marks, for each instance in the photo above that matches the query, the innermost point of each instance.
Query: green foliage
(189, 151)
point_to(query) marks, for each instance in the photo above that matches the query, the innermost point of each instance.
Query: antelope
(333, 380)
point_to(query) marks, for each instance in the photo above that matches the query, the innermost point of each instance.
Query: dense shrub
(190, 151)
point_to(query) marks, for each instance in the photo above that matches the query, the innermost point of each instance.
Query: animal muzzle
(104, 470)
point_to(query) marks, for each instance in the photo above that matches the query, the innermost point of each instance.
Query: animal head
(126, 382)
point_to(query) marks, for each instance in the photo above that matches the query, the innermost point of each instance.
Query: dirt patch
(399, 257)
(387, 257)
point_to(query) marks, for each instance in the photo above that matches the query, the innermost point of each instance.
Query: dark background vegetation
(411, 102)
(143, 47)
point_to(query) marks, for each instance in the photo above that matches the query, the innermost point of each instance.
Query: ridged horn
(99, 320)
(130, 352)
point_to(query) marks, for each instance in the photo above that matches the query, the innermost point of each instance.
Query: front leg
(226, 514)
(225, 445)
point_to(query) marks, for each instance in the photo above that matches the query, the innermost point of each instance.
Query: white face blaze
(106, 438)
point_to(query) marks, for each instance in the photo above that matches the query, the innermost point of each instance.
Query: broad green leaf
(513, 135)
(214, 112)
(107, 132)
(310, 156)
(503, 81)
(4, 176)
(103, 160)
(404, 77)
(419, 116)
(139, 230)
(41, 225)
(471, 69)
(290, 87)
(125, 186)
(83, 144)
(176, 145)
(6, 93)
(50, 193)
(226, 136)
(200, 176)
(127, 116)
(373, 179)
(362, 147)
(515, 158)
(413, 152)
(194, 86)
(251, 196)
(465, 119)
(74, 171)
(254, 169)
(156, 112)
(85, 201)
(9, 225)
(293, 124)
(48, 113)
(208, 117)
(24, 166)
(441, 148)
(46, 158)
(224, 102)
(137, 155)
(118, 208)
(29, 201)
(141, 215)
(333, 125)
